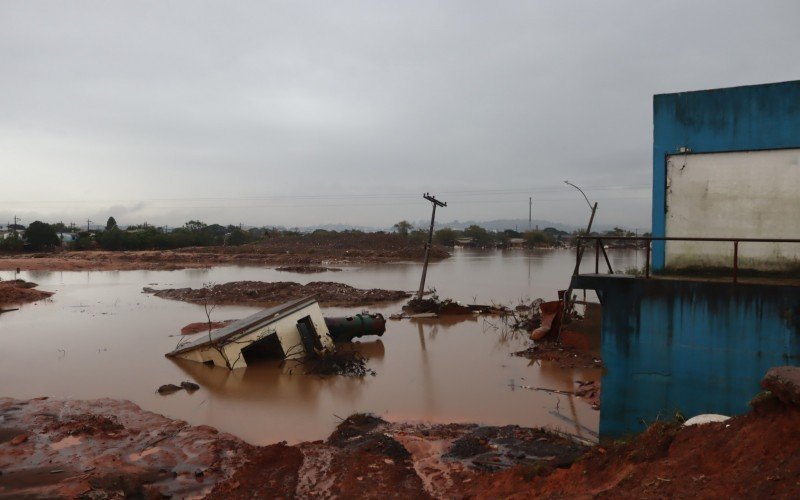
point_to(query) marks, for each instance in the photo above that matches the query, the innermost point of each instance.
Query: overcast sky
(301, 113)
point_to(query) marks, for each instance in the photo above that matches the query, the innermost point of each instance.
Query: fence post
(647, 259)
(597, 256)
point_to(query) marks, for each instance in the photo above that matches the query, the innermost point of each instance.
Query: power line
(410, 196)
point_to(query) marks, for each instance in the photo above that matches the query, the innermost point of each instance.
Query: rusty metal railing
(600, 248)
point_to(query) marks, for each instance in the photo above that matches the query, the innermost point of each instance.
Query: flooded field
(100, 336)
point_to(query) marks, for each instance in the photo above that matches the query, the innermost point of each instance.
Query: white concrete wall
(739, 194)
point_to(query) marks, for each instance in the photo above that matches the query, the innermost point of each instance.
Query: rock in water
(190, 386)
(168, 389)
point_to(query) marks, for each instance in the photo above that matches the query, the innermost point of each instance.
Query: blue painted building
(726, 163)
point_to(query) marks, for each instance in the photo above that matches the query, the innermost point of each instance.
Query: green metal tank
(347, 328)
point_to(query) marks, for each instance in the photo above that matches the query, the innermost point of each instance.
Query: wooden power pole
(435, 203)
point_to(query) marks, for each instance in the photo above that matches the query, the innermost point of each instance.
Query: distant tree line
(478, 236)
(39, 236)
(475, 235)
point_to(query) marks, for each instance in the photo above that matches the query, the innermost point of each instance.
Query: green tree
(479, 235)
(12, 243)
(195, 225)
(418, 236)
(445, 236)
(403, 228)
(534, 238)
(41, 236)
(238, 237)
(111, 224)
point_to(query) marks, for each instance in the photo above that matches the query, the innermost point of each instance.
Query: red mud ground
(112, 447)
(19, 292)
(108, 449)
(304, 250)
(755, 455)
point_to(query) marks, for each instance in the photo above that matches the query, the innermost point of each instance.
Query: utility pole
(435, 203)
(530, 211)
(16, 219)
(87, 225)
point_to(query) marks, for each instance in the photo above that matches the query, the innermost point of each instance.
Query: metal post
(597, 256)
(647, 260)
(608, 262)
(430, 242)
(580, 248)
(735, 261)
(577, 261)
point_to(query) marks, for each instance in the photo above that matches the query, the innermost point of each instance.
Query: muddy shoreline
(264, 294)
(67, 448)
(295, 254)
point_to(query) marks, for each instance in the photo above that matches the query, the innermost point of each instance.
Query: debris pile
(307, 269)
(340, 361)
(261, 293)
(433, 307)
(499, 448)
(565, 355)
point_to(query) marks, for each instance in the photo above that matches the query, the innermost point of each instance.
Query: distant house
(516, 242)
(465, 242)
(290, 330)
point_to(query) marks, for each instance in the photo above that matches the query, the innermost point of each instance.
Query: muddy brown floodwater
(100, 336)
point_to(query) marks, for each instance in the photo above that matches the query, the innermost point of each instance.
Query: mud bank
(294, 251)
(108, 449)
(104, 447)
(260, 293)
(754, 455)
(70, 448)
(20, 292)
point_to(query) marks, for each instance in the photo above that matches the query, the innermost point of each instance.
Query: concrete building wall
(749, 194)
(738, 119)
